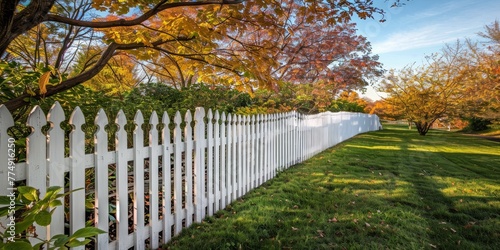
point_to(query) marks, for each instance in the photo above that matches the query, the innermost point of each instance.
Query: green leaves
(38, 211)
(18, 245)
(79, 238)
(28, 193)
(86, 232)
(43, 218)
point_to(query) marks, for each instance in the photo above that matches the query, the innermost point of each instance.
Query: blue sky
(422, 27)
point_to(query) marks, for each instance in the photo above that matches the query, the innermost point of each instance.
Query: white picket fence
(178, 178)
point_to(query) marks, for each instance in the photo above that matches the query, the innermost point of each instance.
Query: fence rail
(179, 176)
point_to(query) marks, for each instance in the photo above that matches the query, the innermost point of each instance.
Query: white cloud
(413, 39)
(431, 26)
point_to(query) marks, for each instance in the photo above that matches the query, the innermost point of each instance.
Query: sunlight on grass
(390, 189)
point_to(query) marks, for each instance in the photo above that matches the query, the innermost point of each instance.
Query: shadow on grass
(387, 189)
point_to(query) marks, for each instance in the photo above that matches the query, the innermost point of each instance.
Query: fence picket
(138, 139)
(188, 190)
(178, 148)
(167, 177)
(223, 160)
(101, 211)
(231, 165)
(36, 163)
(7, 150)
(154, 190)
(217, 189)
(77, 170)
(121, 181)
(210, 191)
(55, 161)
(199, 165)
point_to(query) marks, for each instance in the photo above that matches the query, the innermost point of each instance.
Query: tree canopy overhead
(246, 44)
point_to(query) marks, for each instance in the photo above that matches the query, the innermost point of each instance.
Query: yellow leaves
(42, 83)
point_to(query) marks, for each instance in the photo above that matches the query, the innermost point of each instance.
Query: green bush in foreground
(36, 210)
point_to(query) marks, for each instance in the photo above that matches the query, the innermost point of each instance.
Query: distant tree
(431, 91)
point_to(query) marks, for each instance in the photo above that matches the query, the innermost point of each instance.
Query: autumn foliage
(460, 82)
(248, 45)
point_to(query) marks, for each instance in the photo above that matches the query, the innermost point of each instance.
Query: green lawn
(390, 189)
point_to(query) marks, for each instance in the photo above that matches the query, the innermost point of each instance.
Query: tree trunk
(13, 24)
(423, 127)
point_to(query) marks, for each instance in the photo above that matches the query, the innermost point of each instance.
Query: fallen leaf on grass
(321, 233)
(332, 219)
(433, 246)
(295, 229)
(453, 230)
(469, 225)
(367, 225)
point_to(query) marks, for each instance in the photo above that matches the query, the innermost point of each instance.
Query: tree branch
(20, 101)
(25, 20)
(131, 22)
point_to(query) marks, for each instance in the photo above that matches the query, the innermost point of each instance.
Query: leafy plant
(36, 210)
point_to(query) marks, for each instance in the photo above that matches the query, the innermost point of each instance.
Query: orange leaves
(42, 82)
(254, 44)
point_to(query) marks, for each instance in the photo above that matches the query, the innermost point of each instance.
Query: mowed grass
(390, 189)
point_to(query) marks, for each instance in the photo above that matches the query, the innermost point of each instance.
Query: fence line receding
(166, 174)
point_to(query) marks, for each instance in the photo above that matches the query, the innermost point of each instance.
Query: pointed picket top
(101, 120)
(77, 119)
(165, 119)
(165, 133)
(121, 133)
(210, 116)
(153, 132)
(188, 118)
(199, 114)
(153, 120)
(6, 120)
(252, 119)
(121, 120)
(177, 119)
(229, 117)
(216, 115)
(239, 119)
(55, 116)
(223, 117)
(138, 120)
(36, 120)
